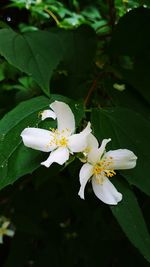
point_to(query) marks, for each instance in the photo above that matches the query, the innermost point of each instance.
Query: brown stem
(51, 14)
(91, 90)
(94, 86)
(112, 13)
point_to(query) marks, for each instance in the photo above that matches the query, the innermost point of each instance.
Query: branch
(112, 13)
(91, 90)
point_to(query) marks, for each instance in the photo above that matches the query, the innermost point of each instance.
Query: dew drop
(76, 106)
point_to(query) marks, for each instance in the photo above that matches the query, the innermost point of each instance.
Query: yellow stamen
(87, 150)
(58, 138)
(110, 173)
(63, 142)
(4, 227)
(97, 170)
(101, 170)
(3, 231)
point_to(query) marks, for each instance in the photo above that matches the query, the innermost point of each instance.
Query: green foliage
(15, 159)
(122, 126)
(31, 53)
(134, 224)
(62, 15)
(39, 53)
(132, 49)
(11, 169)
(94, 56)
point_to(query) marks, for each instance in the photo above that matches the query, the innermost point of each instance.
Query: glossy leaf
(15, 159)
(131, 46)
(130, 218)
(130, 130)
(35, 53)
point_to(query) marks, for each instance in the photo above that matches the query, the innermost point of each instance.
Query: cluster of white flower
(99, 165)
(5, 228)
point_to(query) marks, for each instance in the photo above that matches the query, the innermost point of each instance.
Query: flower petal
(102, 147)
(85, 173)
(48, 114)
(1, 239)
(106, 192)
(78, 142)
(60, 156)
(65, 117)
(5, 224)
(122, 159)
(95, 154)
(10, 233)
(92, 141)
(38, 139)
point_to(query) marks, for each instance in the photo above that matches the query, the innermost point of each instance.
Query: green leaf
(127, 98)
(17, 160)
(130, 130)
(19, 254)
(78, 49)
(133, 45)
(130, 218)
(130, 42)
(35, 53)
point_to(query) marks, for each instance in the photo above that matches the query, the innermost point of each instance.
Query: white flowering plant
(62, 141)
(74, 131)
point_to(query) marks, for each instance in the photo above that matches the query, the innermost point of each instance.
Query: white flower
(5, 231)
(119, 87)
(100, 166)
(61, 141)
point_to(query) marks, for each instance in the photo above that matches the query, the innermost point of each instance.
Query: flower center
(59, 137)
(102, 170)
(3, 231)
(63, 141)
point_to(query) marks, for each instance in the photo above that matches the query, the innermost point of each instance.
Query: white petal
(65, 117)
(78, 142)
(106, 192)
(102, 147)
(122, 159)
(95, 154)
(48, 114)
(85, 173)
(38, 139)
(10, 233)
(1, 239)
(92, 141)
(5, 224)
(60, 156)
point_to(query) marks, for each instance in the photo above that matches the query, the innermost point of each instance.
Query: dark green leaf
(133, 44)
(127, 98)
(130, 218)
(78, 49)
(35, 53)
(130, 130)
(15, 159)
